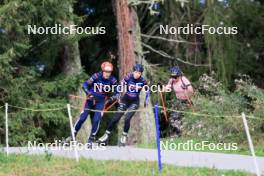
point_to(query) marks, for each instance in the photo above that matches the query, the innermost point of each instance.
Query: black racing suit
(129, 102)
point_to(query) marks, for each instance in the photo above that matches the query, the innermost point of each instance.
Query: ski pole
(106, 109)
(163, 106)
(74, 96)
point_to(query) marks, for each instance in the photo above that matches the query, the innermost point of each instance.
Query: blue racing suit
(96, 99)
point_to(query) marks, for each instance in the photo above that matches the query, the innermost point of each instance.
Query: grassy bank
(31, 165)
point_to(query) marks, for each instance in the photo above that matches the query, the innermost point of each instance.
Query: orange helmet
(107, 66)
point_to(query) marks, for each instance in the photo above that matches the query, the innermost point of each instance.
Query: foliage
(224, 108)
(227, 55)
(31, 72)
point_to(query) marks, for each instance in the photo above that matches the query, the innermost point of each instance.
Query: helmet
(138, 67)
(107, 66)
(175, 71)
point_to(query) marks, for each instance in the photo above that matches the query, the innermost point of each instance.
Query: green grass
(243, 149)
(35, 165)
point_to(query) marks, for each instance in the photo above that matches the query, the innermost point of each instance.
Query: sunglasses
(174, 76)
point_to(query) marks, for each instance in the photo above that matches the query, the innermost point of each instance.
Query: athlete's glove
(88, 93)
(111, 99)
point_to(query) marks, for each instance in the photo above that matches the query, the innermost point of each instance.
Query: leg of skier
(132, 110)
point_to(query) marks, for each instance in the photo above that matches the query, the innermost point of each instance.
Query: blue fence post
(158, 136)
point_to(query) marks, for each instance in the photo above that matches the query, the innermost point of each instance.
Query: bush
(218, 111)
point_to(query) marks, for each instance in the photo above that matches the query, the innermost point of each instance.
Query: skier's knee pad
(131, 113)
(133, 106)
(122, 107)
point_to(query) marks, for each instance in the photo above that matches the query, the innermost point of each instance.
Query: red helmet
(107, 66)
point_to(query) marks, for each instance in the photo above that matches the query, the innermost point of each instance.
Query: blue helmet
(138, 67)
(175, 71)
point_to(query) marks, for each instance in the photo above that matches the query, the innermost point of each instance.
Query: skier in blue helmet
(134, 82)
(183, 91)
(175, 72)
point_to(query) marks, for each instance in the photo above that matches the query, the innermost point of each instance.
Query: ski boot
(123, 140)
(104, 139)
(91, 141)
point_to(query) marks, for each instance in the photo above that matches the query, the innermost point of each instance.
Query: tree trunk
(125, 37)
(142, 128)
